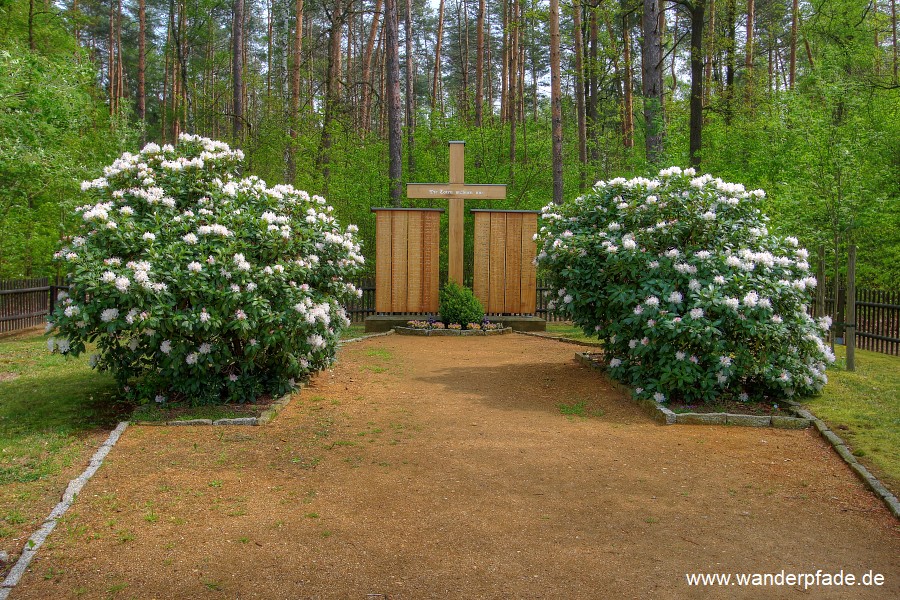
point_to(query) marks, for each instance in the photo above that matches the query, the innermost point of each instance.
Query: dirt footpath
(446, 468)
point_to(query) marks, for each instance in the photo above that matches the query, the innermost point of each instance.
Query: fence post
(820, 283)
(850, 334)
(837, 315)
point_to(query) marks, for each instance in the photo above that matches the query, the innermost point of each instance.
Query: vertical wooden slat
(431, 261)
(498, 264)
(513, 293)
(399, 264)
(383, 277)
(482, 263)
(414, 260)
(456, 233)
(529, 271)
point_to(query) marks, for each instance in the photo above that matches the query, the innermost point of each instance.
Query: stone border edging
(68, 498)
(450, 332)
(265, 416)
(842, 450)
(667, 417)
(365, 337)
(556, 338)
(804, 419)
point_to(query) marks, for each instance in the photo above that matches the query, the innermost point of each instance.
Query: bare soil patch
(444, 468)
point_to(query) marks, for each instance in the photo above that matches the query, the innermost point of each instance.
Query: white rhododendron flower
(184, 239)
(709, 274)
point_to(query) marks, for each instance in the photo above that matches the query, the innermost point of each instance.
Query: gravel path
(444, 468)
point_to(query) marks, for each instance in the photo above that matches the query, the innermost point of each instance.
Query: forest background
(800, 98)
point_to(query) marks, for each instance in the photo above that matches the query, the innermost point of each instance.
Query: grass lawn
(567, 330)
(54, 412)
(863, 407)
(354, 331)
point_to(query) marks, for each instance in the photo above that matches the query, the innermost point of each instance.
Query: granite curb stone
(665, 415)
(559, 339)
(39, 537)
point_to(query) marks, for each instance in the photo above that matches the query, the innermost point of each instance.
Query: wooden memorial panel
(505, 278)
(407, 260)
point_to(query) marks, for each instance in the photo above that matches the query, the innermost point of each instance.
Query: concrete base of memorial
(382, 323)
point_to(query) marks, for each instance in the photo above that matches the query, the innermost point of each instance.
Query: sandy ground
(444, 468)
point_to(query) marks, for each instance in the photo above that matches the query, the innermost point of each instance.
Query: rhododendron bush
(690, 294)
(200, 286)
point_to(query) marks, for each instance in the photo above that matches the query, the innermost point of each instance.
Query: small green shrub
(459, 305)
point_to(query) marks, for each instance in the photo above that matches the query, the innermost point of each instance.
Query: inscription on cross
(456, 191)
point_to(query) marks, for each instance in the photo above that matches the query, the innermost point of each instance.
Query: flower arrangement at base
(200, 286)
(690, 294)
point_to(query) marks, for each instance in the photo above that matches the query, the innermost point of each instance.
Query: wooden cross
(456, 191)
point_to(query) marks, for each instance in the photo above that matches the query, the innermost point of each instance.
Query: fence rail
(877, 319)
(25, 303)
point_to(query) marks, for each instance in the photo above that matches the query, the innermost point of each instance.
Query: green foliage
(201, 287)
(459, 305)
(691, 296)
(53, 132)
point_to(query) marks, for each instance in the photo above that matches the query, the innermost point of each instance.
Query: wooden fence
(877, 320)
(26, 302)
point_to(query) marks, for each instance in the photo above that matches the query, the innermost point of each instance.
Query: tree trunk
(512, 85)
(579, 95)
(76, 29)
(795, 15)
(298, 59)
(332, 91)
(183, 62)
(176, 80)
(31, 45)
(368, 83)
(672, 71)
(504, 62)
(556, 103)
(294, 115)
(392, 74)
(465, 63)
(652, 82)
(748, 48)
(593, 100)
(730, 50)
(142, 61)
(410, 95)
(628, 96)
(270, 8)
(479, 65)
(894, 39)
(696, 102)
(237, 75)
(437, 58)
(710, 52)
(166, 89)
(120, 75)
(111, 72)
